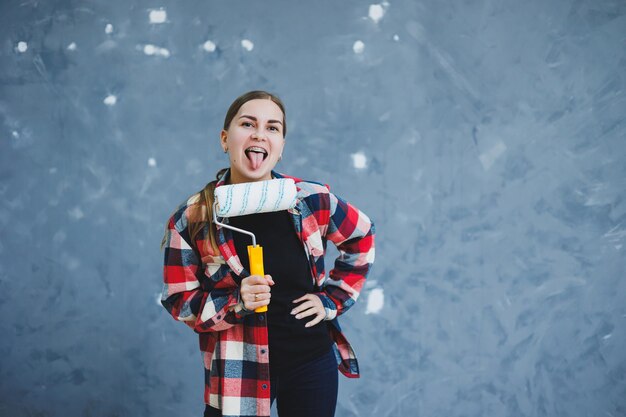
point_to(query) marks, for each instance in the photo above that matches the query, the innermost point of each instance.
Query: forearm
(353, 234)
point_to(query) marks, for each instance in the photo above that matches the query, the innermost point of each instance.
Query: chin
(251, 176)
(258, 177)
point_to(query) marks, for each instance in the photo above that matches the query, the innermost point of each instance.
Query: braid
(201, 214)
(205, 209)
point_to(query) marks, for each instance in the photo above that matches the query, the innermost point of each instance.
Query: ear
(223, 137)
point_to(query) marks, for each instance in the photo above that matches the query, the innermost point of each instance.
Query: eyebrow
(254, 118)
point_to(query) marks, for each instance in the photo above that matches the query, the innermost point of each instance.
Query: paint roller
(250, 198)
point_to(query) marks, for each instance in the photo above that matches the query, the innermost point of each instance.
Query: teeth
(256, 149)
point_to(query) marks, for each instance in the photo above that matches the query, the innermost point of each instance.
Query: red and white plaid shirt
(200, 291)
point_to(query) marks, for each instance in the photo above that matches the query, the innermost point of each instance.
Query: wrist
(329, 306)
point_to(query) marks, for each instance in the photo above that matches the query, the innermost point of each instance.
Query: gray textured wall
(487, 139)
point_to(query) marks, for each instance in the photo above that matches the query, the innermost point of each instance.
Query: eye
(246, 124)
(274, 128)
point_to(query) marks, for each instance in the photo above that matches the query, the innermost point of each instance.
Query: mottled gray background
(487, 139)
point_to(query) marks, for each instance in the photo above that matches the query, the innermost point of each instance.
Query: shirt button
(262, 350)
(264, 386)
(261, 318)
(219, 317)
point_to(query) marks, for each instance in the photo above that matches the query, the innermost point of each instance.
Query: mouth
(256, 156)
(255, 152)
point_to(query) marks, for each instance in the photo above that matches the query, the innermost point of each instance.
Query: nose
(259, 135)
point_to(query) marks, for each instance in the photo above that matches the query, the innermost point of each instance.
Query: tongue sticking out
(256, 159)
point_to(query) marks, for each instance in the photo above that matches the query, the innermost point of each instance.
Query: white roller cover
(255, 197)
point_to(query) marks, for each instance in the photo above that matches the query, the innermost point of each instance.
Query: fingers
(256, 284)
(313, 311)
(316, 320)
(307, 301)
(257, 279)
(259, 288)
(308, 309)
(303, 298)
(253, 301)
(255, 291)
(310, 305)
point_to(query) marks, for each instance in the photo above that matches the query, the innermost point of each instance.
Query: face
(254, 141)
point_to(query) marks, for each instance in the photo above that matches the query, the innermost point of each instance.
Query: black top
(290, 343)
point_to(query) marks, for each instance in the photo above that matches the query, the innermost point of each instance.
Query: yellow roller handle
(255, 256)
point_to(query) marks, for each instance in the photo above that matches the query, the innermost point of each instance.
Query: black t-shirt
(290, 343)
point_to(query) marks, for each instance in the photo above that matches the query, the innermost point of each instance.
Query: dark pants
(309, 390)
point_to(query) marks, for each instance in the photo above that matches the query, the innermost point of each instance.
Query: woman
(292, 352)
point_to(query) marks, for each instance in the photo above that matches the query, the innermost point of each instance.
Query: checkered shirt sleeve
(189, 295)
(352, 232)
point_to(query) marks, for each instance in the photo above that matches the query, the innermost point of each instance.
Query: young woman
(292, 352)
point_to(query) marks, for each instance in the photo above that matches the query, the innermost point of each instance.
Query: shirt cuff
(240, 309)
(329, 306)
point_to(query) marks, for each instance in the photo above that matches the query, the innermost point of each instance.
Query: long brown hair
(201, 211)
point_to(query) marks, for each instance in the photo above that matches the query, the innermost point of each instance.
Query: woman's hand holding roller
(255, 291)
(310, 305)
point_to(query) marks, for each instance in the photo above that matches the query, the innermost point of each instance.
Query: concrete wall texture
(486, 139)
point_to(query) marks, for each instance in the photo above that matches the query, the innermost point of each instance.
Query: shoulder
(315, 199)
(307, 188)
(311, 189)
(188, 209)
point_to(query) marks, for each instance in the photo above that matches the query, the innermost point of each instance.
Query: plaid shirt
(200, 291)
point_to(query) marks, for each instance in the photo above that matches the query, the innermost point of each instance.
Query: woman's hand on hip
(311, 305)
(255, 291)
